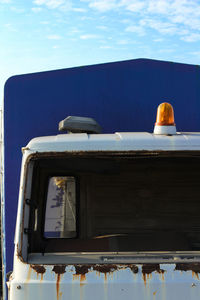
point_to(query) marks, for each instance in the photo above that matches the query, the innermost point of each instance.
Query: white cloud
(159, 6)
(158, 40)
(10, 27)
(101, 27)
(136, 29)
(79, 9)
(179, 18)
(195, 53)
(54, 37)
(17, 9)
(133, 6)
(88, 36)
(44, 22)
(36, 9)
(126, 21)
(86, 18)
(122, 42)
(171, 50)
(193, 37)
(5, 1)
(50, 3)
(61, 5)
(103, 5)
(75, 30)
(160, 26)
(105, 47)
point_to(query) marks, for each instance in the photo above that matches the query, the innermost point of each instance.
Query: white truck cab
(109, 216)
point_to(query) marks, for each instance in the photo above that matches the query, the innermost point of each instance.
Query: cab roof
(119, 141)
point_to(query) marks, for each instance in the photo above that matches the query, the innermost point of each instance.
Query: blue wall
(121, 96)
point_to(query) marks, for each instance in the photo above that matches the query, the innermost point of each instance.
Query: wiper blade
(109, 235)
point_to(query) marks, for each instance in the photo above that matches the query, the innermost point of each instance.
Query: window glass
(60, 217)
(125, 204)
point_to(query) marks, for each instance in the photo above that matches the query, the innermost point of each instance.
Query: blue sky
(37, 35)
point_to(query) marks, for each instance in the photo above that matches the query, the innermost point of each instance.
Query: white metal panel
(116, 282)
(115, 142)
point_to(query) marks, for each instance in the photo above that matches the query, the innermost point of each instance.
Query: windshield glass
(118, 203)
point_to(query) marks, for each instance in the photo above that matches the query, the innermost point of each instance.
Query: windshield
(115, 204)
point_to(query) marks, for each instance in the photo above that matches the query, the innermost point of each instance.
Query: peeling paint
(39, 269)
(103, 268)
(29, 275)
(59, 270)
(81, 271)
(148, 269)
(130, 277)
(194, 267)
(58, 286)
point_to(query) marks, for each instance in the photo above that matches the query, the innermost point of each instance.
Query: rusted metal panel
(100, 281)
(106, 281)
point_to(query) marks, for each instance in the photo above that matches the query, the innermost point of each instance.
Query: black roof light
(74, 124)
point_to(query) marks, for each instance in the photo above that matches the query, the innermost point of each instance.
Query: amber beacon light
(165, 120)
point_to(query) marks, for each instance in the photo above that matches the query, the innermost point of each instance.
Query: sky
(40, 35)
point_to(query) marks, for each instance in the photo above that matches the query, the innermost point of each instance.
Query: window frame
(41, 178)
(139, 254)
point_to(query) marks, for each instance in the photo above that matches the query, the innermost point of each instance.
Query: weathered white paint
(120, 284)
(115, 142)
(26, 284)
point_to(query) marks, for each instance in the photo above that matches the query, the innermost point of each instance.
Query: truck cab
(109, 216)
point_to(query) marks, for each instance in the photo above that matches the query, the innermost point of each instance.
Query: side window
(60, 216)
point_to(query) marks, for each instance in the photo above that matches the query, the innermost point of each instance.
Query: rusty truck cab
(110, 216)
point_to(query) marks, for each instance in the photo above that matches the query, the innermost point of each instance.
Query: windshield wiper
(109, 235)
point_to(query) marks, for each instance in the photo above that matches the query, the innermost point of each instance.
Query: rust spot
(134, 269)
(29, 275)
(163, 278)
(39, 269)
(195, 275)
(147, 269)
(19, 255)
(83, 278)
(58, 286)
(105, 268)
(59, 269)
(82, 269)
(194, 267)
(104, 154)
